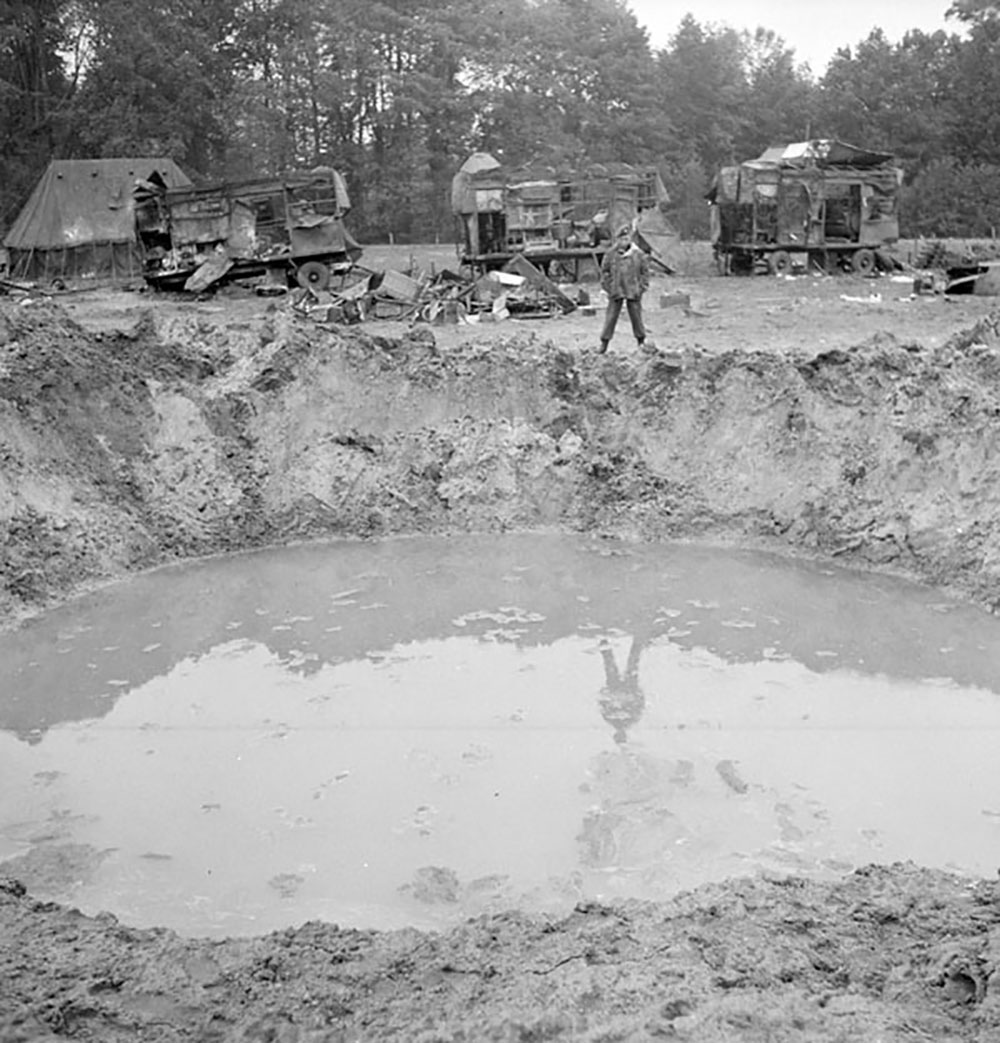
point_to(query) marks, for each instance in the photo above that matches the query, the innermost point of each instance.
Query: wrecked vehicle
(288, 229)
(814, 204)
(561, 221)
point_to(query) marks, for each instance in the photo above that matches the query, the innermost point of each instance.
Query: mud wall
(893, 954)
(119, 451)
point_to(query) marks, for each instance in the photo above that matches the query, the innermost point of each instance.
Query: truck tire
(863, 262)
(313, 275)
(779, 262)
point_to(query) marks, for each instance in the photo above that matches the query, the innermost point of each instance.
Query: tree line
(397, 93)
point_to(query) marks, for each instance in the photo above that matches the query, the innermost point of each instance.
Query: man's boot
(604, 347)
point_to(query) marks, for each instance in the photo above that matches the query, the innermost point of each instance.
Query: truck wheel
(779, 262)
(313, 275)
(863, 262)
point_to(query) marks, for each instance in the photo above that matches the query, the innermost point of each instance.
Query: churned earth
(833, 417)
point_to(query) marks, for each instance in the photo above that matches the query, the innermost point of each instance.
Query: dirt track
(133, 431)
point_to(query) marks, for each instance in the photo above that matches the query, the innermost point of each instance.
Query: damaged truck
(560, 221)
(819, 204)
(281, 231)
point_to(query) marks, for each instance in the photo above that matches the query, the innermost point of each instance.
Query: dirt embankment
(123, 449)
(182, 435)
(892, 955)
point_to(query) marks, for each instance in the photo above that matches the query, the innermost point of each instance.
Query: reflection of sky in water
(304, 733)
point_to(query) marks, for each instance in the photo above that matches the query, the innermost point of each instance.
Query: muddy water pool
(417, 730)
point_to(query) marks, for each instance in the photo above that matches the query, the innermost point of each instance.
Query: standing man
(624, 277)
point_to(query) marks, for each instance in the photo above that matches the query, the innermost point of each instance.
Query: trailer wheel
(863, 262)
(313, 275)
(779, 262)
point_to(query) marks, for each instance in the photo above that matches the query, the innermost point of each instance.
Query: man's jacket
(625, 275)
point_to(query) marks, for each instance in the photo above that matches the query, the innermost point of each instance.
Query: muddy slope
(889, 954)
(121, 450)
(178, 437)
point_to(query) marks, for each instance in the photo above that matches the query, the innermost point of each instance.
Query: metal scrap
(519, 291)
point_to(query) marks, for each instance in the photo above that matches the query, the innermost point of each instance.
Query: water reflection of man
(659, 822)
(621, 700)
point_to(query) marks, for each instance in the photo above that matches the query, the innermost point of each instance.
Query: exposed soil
(136, 430)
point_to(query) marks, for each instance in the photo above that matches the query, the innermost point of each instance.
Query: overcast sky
(813, 28)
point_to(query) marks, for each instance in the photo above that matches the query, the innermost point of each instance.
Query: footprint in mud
(58, 826)
(683, 773)
(286, 884)
(53, 869)
(320, 792)
(440, 885)
(290, 821)
(789, 832)
(434, 885)
(421, 822)
(476, 753)
(731, 777)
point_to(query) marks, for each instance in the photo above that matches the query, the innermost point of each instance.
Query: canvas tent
(78, 224)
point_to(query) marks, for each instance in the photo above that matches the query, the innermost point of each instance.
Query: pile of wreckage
(957, 267)
(518, 291)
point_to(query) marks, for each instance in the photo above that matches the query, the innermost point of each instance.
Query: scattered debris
(539, 292)
(981, 278)
(518, 291)
(969, 267)
(25, 289)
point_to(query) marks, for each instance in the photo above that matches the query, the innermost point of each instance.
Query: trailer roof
(822, 152)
